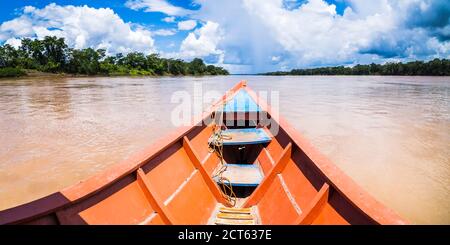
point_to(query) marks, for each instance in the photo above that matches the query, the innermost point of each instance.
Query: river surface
(390, 134)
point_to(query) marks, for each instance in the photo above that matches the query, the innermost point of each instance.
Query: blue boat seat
(242, 174)
(245, 136)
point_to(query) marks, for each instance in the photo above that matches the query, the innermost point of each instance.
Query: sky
(243, 36)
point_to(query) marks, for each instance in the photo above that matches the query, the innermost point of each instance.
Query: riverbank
(11, 72)
(435, 67)
(8, 73)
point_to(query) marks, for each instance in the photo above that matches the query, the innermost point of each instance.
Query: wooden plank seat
(242, 174)
(245, 136)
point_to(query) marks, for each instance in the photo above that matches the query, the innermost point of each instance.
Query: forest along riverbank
(53, 55)
(389, 134)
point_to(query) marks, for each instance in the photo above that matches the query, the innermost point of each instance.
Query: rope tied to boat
(215, 145)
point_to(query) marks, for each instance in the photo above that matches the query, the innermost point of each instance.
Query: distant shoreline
(338, 75)
(30, 73)
(435, 67)
(38, 74)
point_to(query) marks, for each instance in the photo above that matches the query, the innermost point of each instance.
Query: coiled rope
(215, 145)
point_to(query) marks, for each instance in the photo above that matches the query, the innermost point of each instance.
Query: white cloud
(28, 9)
(15, 42)
(187, 25)
(202, 42)
(81, 26)
(245, 42)
(314, 34)
(157, 6)
(169, 19)
(21, 26)
(164, 32)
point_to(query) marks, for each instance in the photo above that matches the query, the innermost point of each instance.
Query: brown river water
(390, 134)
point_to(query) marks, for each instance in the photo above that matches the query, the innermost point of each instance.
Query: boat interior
(272, 180)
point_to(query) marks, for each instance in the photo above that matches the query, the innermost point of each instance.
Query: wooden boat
(276, 179)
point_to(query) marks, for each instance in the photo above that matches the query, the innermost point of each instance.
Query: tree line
(435, 67)
(52, 54)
